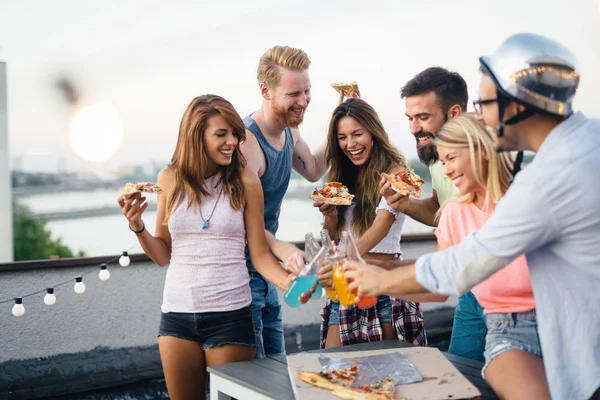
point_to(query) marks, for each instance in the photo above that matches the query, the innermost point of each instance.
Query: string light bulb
(79, 285)
(50, 297)
(104, 274)
(18, 309)
(124, 260)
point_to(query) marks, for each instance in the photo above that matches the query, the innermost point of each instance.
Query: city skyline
(149, 59)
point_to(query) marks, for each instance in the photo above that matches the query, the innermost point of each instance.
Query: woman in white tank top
(358, 149)
(209, 205)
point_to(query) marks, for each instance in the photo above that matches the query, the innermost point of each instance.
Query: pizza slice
(330, 380)
(385, 386)
(346, 88)
(405, 182)
(333, 193)
(135, 187)
(345, 377)
(381, 390)
(317, 379)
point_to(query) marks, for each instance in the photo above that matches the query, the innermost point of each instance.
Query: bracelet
(138, 232)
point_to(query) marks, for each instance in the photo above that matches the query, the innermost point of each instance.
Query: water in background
(105, 235)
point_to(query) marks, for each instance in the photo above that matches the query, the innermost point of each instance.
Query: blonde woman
(513, 356)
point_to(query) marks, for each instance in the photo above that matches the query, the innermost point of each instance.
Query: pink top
(508, 290)
(208, 269)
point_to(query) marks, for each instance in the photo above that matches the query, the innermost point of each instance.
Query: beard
(427, 152)
(285, 116)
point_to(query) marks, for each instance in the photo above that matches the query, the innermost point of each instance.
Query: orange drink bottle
(345, 297)
(352, 253)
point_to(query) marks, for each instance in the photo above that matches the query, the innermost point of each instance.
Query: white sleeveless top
(390, 244)
(207, 272)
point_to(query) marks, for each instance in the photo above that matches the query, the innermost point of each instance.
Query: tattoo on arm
(302, 161)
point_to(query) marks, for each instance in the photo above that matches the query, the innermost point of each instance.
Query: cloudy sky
(150, 58)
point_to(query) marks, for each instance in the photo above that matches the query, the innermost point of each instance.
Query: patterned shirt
(363, 325)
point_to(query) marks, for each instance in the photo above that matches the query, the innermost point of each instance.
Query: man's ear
(265, 91)
(454, 111)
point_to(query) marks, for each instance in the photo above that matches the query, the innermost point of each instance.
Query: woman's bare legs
(516, 374)
(228, 353)
(184, 366)
(388, 331)
(333, 337)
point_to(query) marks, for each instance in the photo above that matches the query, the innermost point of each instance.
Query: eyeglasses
(478, 103)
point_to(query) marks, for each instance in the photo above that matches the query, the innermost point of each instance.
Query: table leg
(224, 389)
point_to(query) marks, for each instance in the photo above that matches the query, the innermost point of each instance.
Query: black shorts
(211, 329)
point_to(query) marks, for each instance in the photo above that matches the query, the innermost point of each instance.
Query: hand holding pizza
(133, 207)
(332, 193)
(397, 187)
(398, 201)
(349, 90)
(328, 210)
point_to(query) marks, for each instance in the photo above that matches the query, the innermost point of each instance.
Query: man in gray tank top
(272, 148)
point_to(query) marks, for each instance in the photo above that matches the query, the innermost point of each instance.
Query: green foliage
(32, 241)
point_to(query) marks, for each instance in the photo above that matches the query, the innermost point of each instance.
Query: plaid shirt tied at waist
(363, 325)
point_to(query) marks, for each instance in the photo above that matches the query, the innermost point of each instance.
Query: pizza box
(441, 379)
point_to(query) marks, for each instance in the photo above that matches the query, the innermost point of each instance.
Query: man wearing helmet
(550, 213)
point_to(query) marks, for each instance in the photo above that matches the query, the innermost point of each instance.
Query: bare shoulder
(296, 134)
(249, 178)
(166, 177)
(250, 143)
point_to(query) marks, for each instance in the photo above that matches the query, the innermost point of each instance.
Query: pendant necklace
(206, 221)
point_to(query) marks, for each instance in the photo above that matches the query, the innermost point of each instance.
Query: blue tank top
(276, 178)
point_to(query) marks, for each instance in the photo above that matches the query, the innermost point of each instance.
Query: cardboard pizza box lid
(441, 379)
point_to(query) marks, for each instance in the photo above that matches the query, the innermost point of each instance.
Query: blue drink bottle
(304, 282)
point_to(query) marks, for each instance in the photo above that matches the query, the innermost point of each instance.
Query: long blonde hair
(189, 159)
(493, 173)
(362, 181)
(280, 57)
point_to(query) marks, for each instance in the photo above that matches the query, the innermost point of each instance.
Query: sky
(150, 58)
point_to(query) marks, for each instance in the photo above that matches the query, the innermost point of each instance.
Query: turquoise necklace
(206, 221)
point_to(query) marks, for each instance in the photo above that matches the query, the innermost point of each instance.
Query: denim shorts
(211, 329)
(512, 331)
(468, 329)
(384, 310)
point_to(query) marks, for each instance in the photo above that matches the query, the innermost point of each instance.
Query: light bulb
(79, 285)
(49, 298)
(18, 309)
(104, 274)
(124, 260)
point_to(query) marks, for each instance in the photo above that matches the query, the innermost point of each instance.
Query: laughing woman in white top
(204, 217)
(358, 149)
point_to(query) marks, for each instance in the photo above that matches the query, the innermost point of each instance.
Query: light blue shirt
(551, 213)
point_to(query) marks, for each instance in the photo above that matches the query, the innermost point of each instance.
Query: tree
(32, 241)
